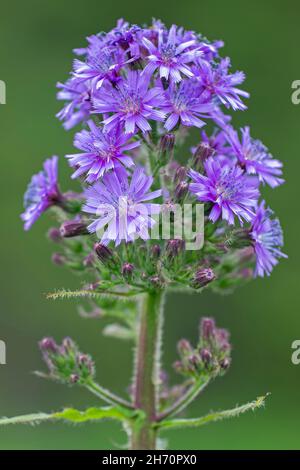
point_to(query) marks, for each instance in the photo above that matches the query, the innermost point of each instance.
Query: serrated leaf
(68, 294)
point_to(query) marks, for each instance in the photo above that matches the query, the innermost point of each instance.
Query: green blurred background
(36, 40)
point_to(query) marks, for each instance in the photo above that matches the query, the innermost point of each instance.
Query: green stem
(186, 399)
(143, 434)
(106, 395)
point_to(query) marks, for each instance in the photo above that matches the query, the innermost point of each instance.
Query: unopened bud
(180, 174)
(74, 378)
(127, 270)
(48, 345)
(225, 363)
(54, 235)
(181, 191)
(166, 146)
(174, 248)
(201, 153)
(103, 252)
(206, 356)
(58, 259)
(89, 260)
(207, 328)
(203, 277)
(73, 228)
(155, 251)
(184, 347)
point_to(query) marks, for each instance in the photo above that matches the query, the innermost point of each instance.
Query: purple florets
(137, 91)
(122, 206)
(102, 151)
(41, 193)
(267, 237)
(228, 189)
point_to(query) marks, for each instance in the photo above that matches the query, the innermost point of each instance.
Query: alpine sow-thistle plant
(137, 92)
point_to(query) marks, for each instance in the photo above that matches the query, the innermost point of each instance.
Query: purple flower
(171, 56)
(102, 151)
(42, 193)
(267, 237)
(185, 104)
(255, 157)
(79, 107)
(122, 207)
(131, 103)
(216, 81)
(228, 189)
(102, 63)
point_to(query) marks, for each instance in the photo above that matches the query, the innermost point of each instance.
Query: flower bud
(103, 252)
(184, 347)
(201, 153)
(73, 228)
(207, 328)
(166, 146)
(225, 363)
(181, 191)
(203, 277)
(54, 235)
(174, 248)
(206, 356)
(180, 174)
(127, 271)
(48, 345)
(58, 259)
(155, 251)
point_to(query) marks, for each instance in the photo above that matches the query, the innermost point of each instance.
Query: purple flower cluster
(132, 88)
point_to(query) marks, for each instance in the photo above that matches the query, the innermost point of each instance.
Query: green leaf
(215, 416)
(71, 414)
(68, 414)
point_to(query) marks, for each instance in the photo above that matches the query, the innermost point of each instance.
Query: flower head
(102, 63)
(185, 103)
(267, 237)
(102, 151)
(42, 193)
(216, 81)
(171, 56)
(130, 103)
(78, 107)
(231, 192)
(122, 206)
(255, 157)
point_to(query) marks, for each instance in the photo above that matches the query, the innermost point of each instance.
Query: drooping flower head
(267, 237)
(122, 206)
(130, 103)
(231, 192)
(42, 193)
(102, 151)
(171, 56)
(255, 157)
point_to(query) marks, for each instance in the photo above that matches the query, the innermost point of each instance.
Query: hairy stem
(143, 435)
(186, 399)
(106, 395)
